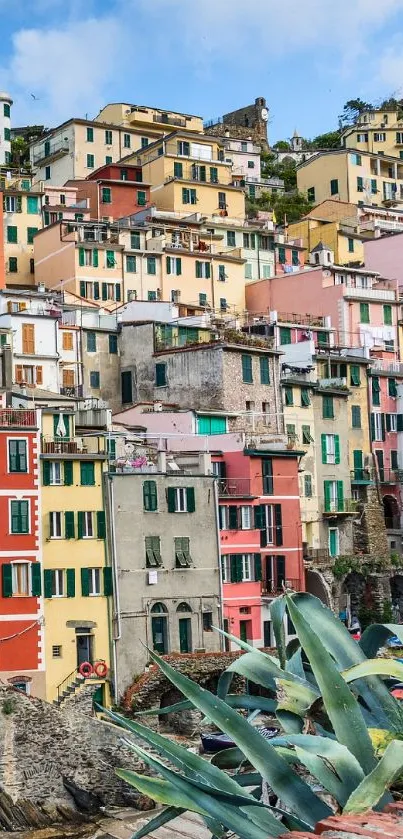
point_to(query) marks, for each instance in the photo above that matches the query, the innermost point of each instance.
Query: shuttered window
(19, 514)
(247, 374)
(17, 456)
(150, 497)
(264, 370)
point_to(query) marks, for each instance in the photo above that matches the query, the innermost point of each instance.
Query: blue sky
(200, 56)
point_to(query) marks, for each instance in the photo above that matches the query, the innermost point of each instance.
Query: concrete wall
(385, 255)
(105, 363)
(198, 585)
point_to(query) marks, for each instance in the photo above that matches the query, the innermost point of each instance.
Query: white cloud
(67, 68)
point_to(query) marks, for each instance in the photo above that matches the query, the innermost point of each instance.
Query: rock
(85, 801)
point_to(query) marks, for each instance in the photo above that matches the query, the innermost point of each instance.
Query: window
(330, 448)
(356, 159)
(90, 161)
(213, 175)
(141, 198)
(306, 435)
(355, 416)
(161, 375)
(151, 265)
(334, 186)
(334, 496)
(174, 265)
(153, 551)
(113, 344)
(247, 374)
(57, 582)
(108, 137)
(248, 271)
(267, 475)
(91, 342)
(13, 265)
(376, 391)
(17, 456)
(189, 196)
(291, 432)
(380, 136)
(56, 651)
(360, 184)
(11, 234)
(392, 388)
(222, 201)
(108, 159)
(19, 515)
(305, 397)
(202, 299)
(387, 315)
(47, 173)
(55, 525)
(355, 379)
(178, 169)
(246, 517)
(311, 194)
(351, 245)
(202, 269)
(377, 427)
(87, 473)
(28, 339)
(334, 541)
(67, 340)
(327, 407)
(362, 138)
(308, 486)
(231, 241)
(20, 579)
(264, 370)
(31, 231)
(391, 422)
(181, 499)
(207, 621)
(151, 295)
(94, 379)
(6, 110)
(110, 261)
(94, 581)
(223, 304)
(90, 135)
(85, 525)
(285, 335)
(183, 148)
(182, 552)
(135, 240)
(126, 141)
(281, 255)
(106, 195)
(393, 459)
(150, 497)
(55, 472)
(364, 313)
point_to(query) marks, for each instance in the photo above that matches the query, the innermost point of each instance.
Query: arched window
(183, 607)
(158, 608)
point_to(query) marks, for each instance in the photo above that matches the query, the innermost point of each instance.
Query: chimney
(162, 462)
(205, 463)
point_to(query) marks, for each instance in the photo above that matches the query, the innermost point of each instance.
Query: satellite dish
(264, 114)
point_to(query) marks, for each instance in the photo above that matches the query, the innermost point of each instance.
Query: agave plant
(323, 668)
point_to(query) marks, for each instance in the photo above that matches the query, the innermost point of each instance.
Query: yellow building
(340, 237)
(188, 174)
(22, 220)
(355, 177)
(144, 117)
(376, 131)
(77, 583)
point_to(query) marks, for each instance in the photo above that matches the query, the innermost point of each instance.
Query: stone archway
(391, 512)
(316, 585)
(396, 590)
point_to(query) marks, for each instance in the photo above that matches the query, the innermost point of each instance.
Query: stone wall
(41, 746)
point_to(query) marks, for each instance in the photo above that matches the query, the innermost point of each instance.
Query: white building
(5, 128)
(35, 342)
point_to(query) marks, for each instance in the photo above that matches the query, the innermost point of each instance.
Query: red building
(21, 608)
(288, 256)
(261, 545)
(113, 191)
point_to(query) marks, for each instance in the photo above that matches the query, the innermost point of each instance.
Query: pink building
(61, 202)
(363, 308)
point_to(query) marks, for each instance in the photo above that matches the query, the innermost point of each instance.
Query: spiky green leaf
(374, 667)
(376, 635)
(158, 821)
(277, 613)
(371, 789)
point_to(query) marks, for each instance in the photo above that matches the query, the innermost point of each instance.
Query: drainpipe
(116, 637)
(221, 596)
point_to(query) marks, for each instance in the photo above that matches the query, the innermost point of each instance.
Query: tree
(352, 110)
(282, 145)
(330, 140)
(289, 206)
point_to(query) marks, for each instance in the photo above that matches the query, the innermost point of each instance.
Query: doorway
(159, 633)
(245, 630)
(84, 645)
(185, 635)
(267, 633)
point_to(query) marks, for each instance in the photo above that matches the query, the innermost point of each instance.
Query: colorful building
(113, 191)
(341, 238)
(23, 657)
(352, 176)
(21, 221)
(5, 129)
(149, 120)
(376, 130)
(77, 581)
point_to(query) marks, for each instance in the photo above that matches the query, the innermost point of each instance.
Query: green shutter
(392, 388)
(104, 291)
(69, 530)
(373, 426)
(327, 494)
(358, 464)
(36, 581)
(190, 498)
(178, 266)
(85, 581)
(68, 473)
(383, 427)
(388, 422)
(259, 523)
(7, 579)
(96, 291)
(208, 271)
(247, 374)
(399, 422)
(95, 258)
(198, 269)
(46, 473)
(337, 448)
(258, 567)
(340, 496)
(108, 586)
(101, 527)
(232, 517)
(171, 499)
(355, 375)
(233, 568)
(168, 264)
(324, 449)
(82, 288)
(80, 524)
(150, 498)
(278, 524)
(47, 583)
(264, 371)
(87, 473)
(238, 568)
(70, 582)
(81, 257)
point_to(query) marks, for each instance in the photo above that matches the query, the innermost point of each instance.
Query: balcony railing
(370, 293)
(271, 588)
(235, 487)
(340, 507)
(336, 382)
(318, 556)
(168, 120)
(17, 418)
(300, 320)
(73, 445)
(390, 476)
(59, 147)
(387, 366)
(361, 476)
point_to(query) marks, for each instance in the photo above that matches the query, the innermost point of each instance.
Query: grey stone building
(164, 549)
(241, 379)
(100, 362)
(248, 122)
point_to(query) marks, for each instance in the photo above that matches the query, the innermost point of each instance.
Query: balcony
(166, 119)
(52, 150)
(300, 320)
(336, 383)
(73, 446)
(75, 391)
(319, 557)
(17, 418)
(361, 476)
(234, 488)
(393, 367)
(340, 507)
(381, 294)
(272, 588)
(390, 476)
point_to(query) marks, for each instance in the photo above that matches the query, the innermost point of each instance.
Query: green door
(333, 541)
(380, 460)
(159, 633)
(185, 632)
(243, 630)
(358, 470)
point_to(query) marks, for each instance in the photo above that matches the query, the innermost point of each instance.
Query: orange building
(114, 191)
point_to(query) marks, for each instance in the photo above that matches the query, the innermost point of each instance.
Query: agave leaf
(242, 644)
(218, 830)
(291, 821)
(161, 791)
(224, 683)
(323, 773)
(292, 648)
(265, 672)
(294, 664)
(234, 700)
(291, 723)
(374, 667)
(294, 697)
(346, 652)
(158, 821)
(228, 758)
(374, 637)
(337, 757)
(341, 706)
(295, 793)
(372, 788)
(277, 612)
(248, 779)
(220, 803)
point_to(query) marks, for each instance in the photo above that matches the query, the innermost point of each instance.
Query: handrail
(66, 683)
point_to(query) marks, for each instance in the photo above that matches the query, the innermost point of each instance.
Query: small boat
(394, 643)
(215, 741)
